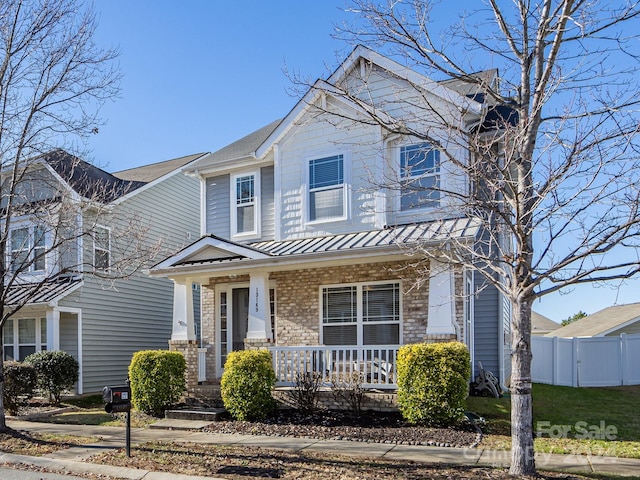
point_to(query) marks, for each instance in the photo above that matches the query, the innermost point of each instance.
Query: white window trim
(403, 178)
(346, 182)
(16, 340)
(359, 310)
(95, 247)
(257, 212)
(30, 225)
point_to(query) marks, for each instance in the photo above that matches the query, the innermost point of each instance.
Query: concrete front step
(209, 414)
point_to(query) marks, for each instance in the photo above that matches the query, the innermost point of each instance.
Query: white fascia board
(284, 263)
(288, 122)
(54, 302)
(231, 165)
(406, 73)
(74, 195)
(155, 182)
(606, 332)
(208, 242)
(319, 88)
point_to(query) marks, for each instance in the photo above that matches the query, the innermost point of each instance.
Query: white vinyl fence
(586, 362)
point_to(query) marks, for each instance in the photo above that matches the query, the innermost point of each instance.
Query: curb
(75, 467)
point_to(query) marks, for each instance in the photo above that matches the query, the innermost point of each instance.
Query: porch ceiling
(375, 245)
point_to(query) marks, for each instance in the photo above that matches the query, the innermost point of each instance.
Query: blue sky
(200, 74)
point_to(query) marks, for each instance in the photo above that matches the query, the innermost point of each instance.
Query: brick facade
(298, 304)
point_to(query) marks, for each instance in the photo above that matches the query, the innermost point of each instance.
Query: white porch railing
(202, 364)
(376, 364)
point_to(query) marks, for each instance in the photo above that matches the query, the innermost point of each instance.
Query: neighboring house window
(326, 188)
(28, 249)
(245, 196)
(24, 336)
(101, 248)
(361, 314)
(420, 176)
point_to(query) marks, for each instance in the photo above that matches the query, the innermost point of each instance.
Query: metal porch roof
(35, 293)
(430, 232)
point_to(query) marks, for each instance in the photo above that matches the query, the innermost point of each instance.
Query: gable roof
(244, 148)
(149, 173)
(92, 182)
(87, 180)
(541, 324)
(601, 323)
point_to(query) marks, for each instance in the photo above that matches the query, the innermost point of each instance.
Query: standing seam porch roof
(430, 232)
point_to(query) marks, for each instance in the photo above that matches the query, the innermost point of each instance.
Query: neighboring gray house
(608, 322)
(541, 325)
(302, 253)
(101, 322)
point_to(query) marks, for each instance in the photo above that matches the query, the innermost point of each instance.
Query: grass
(599, 421)
(37, 444)
(89, 410)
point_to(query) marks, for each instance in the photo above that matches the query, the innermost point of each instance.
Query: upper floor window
(28, 249)
(420, 176)
(326, 188)
(245, 200)
(101, 248)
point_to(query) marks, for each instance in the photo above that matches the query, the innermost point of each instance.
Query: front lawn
(600, 421)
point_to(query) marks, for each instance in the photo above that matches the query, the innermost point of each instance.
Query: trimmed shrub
(433, 382)
(57, 371)
(20, 381)
(157, 380)
(246, 384)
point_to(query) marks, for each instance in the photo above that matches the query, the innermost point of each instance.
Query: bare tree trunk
(522, 451)
(3, 422)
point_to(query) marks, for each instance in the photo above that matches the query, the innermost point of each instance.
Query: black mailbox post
(118, 400)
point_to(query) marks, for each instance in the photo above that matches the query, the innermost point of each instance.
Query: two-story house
(72, 225)
(306, 252)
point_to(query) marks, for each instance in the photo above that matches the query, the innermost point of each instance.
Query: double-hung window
(101, 248)
(361, 314)
(245, 213)
(420, 176)
(28, 249)
(24, 336)
(326, 188)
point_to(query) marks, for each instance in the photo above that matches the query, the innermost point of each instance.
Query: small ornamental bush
(57, 372)
(246, 384)
(20, 381)
(157, 380)
(433, 382)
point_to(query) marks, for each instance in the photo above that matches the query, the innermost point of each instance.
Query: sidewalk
(72, 460)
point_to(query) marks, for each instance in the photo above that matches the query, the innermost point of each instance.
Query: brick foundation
(188, 348)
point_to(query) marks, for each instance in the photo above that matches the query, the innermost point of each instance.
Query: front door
(233, 320)
(240, 316)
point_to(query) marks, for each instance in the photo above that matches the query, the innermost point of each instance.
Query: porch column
(183, 324)
(259, 307)
(53, 329)
(441, 305)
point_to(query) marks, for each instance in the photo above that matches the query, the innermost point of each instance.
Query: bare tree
(53, 79)
(553, 166)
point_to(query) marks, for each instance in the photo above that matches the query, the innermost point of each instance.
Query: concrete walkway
(74, 460)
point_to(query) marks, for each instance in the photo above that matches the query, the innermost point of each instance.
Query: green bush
(20, 381)
(433, 382)
(246, 384)
(56, 370)
(157, 380)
